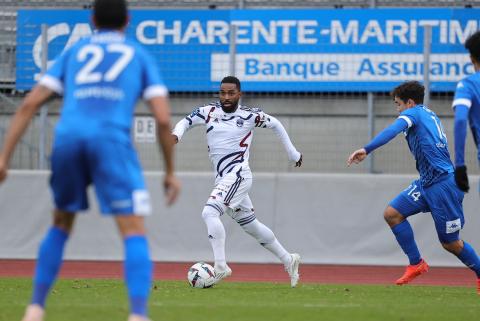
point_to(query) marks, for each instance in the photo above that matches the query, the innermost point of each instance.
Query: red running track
(309, 273)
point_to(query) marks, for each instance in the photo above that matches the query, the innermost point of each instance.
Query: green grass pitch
(105, 300)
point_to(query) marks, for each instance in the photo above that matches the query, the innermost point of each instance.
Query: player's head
(408, 95)
(110, 14)
(230, 93)
(473, 46)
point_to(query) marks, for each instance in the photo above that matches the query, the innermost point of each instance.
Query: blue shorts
(111, 166)
(443, 199)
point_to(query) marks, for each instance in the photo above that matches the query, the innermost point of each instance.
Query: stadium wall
(327, 218)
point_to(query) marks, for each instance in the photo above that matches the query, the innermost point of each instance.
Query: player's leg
(68, 183)
(244, 215)
(465, 253)
(447, 212)
(49, 261)
(227, 192)
(138, 267)
(211, 213)
(121, 191)
(407, 203)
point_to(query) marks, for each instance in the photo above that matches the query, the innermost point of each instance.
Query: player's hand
(461, 178)
(299, 162)
(3, 169)
(175, 139)
(171, 186)
(357, 156)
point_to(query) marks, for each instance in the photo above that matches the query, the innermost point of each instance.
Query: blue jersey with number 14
(101, 78)
(428, 143)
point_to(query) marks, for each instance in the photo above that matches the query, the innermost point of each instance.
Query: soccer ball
(201, 275)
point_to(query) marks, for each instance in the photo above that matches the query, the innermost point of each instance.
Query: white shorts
(232, 191)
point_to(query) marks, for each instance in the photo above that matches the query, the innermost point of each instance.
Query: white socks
(267, 239)
(216, 236)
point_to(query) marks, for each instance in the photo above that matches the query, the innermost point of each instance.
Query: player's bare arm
(357, 156)
(19, 123)
(161, 111)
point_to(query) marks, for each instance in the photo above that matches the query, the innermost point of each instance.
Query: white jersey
(229, 135)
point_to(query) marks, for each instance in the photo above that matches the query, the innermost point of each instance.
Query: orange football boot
(412, 272)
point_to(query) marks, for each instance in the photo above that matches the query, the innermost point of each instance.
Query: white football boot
(34, 312)
(221, 274)
(292, 269)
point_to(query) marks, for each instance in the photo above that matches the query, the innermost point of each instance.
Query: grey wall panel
(327, 218)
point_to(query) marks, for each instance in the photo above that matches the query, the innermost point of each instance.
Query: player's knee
(213, 209)
(63, 220)
(392, 216)
(454, 247)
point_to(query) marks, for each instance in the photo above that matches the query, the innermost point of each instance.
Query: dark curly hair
(232, 80)
(409, 90)
(473, 45)
(110, 14)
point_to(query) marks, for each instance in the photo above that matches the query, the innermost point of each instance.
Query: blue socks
(49, 262)
(138, 273)
(470, 258)
(404, 235)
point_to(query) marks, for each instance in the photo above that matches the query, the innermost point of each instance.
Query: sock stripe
(247, 220)
(215, 206)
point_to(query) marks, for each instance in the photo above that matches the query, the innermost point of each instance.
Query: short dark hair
(473, 45)
(110, 14)
(232, 80)
(409, 90)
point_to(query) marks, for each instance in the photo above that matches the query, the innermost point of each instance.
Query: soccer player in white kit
(229, 130)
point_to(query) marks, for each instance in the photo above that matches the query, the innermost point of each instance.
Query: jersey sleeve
(460, 133)
(152, 79)
(386, 135)
(409, 116)
(267, 121)
(54, 78)
(463, 95)
(197, 117)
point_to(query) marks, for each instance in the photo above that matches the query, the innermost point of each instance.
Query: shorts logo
(454, 226)
(141, 202)
(240, 122)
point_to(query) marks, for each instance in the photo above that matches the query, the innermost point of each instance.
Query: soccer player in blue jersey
(101, 78)
(467, 106)
(435, 191)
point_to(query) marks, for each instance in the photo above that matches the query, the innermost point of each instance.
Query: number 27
(96, 55)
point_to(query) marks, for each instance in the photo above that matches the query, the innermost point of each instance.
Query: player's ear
(94, 21)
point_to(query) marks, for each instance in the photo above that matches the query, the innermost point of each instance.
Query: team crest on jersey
(240, 122)
(195, 112)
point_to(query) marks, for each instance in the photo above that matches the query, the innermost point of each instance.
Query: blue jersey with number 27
(101, 78)
(428, 143)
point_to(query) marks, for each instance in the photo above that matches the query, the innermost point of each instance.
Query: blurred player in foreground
(435, 191)
(467, 106)
(101, 78)
(229, 130)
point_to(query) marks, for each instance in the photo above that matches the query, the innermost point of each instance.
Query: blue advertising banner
(275, 50)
